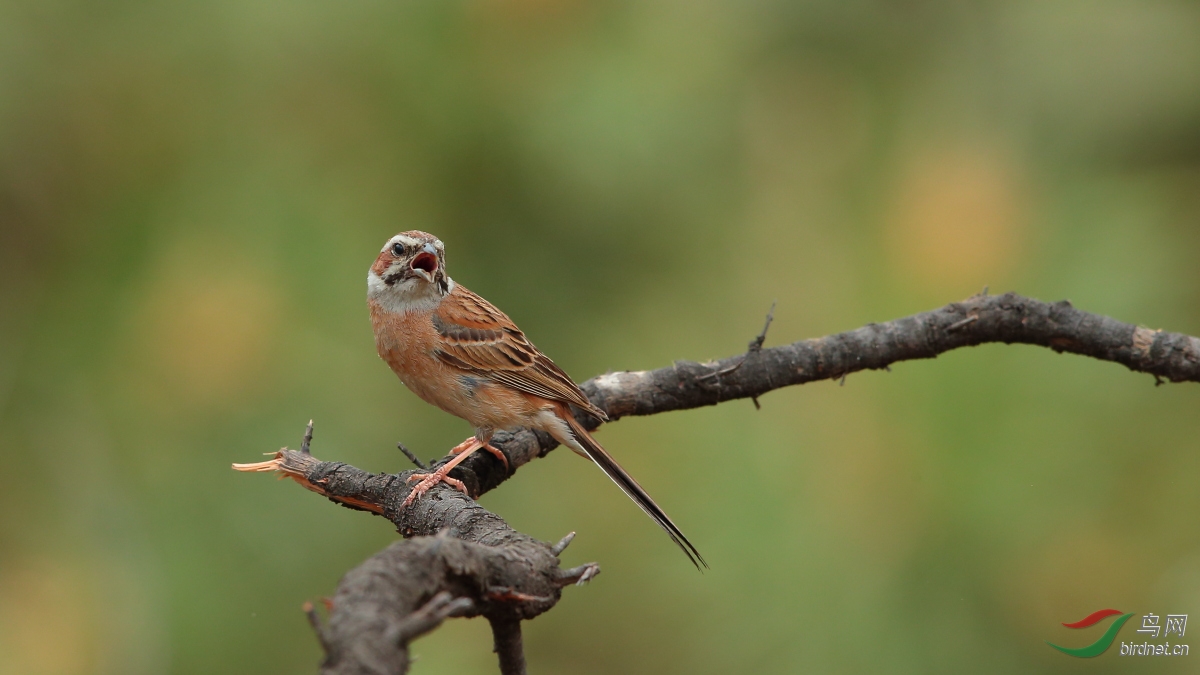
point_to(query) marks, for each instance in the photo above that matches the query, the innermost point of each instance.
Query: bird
(457, 351)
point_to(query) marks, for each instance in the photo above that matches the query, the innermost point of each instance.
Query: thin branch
(1008, 318)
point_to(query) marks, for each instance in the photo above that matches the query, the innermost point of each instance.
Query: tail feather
(635, 492)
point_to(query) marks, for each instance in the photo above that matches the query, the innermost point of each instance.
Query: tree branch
(506, 634)
(455, 550)
(506, 576)
(1008, 318)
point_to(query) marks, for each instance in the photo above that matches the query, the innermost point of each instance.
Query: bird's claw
(428, 480)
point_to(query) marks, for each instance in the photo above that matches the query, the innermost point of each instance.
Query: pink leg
(428, 480)
(495, 452)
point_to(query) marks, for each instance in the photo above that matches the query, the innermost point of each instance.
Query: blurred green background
(191, 194)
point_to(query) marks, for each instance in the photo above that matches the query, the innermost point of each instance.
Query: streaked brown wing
(479, 338)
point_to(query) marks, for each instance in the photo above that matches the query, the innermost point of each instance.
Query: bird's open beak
(426, 263)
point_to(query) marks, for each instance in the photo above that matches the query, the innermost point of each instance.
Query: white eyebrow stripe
(407, 241)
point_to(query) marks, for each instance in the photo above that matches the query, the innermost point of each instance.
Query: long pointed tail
(631, 488)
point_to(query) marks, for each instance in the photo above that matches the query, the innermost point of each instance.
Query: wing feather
(479, 338)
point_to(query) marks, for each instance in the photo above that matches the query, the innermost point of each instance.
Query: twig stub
(562, 544)
(757, 343)
(411, 456)
(307, 440)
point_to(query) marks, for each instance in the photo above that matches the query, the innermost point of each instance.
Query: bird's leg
(462, 447)
(441, 475)
(461, 452)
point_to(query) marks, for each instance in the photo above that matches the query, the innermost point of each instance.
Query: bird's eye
(398, 249)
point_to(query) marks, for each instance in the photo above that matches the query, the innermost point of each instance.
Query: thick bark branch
(507, 576)
(458, 559)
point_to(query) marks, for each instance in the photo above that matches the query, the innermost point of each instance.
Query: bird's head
(410, 272)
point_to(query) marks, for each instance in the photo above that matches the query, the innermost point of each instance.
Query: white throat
(410, 295)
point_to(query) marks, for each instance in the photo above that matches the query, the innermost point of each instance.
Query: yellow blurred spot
(204, 330)
(43, 621)
(869, 491)
(957, 220)
(1074, 573)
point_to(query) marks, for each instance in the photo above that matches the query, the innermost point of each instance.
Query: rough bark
(459, 559)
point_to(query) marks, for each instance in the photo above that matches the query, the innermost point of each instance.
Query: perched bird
(457, 351)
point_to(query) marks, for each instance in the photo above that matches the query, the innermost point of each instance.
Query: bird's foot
(442, 474)
(472, 444)
(428, 480)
